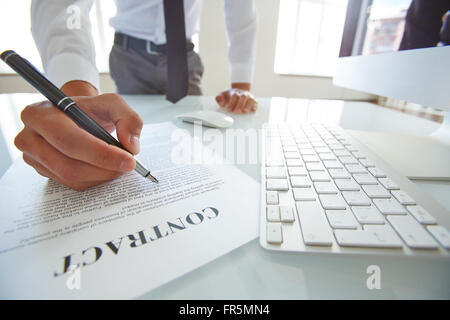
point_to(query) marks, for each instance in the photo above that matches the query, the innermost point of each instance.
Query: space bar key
(315, 229)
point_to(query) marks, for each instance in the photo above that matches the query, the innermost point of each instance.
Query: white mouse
(208, 118)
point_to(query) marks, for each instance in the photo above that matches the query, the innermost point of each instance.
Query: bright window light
(309, 36)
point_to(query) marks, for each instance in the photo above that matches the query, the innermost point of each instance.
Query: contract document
(128, 236)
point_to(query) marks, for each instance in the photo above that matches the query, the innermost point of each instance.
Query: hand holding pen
(64, 151)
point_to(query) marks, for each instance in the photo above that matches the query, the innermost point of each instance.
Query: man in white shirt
(68, 57)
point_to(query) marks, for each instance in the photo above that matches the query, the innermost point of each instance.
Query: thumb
(223, 98)
(129, 131)
(128, 128)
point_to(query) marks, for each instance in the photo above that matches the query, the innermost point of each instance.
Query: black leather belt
(126, 41)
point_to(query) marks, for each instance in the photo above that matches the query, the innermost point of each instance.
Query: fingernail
(127, 165)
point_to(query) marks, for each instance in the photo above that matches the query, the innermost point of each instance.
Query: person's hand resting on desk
(57, 148)
(238, 99)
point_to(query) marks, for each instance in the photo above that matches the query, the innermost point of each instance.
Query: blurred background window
(309, 36)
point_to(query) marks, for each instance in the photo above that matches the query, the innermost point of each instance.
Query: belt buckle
(148, 48)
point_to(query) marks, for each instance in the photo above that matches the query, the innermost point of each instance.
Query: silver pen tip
(152, 178)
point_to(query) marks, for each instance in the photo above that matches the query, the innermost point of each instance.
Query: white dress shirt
(69, 54)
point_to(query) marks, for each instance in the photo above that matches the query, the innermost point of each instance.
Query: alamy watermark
(374, 279)
(73, 281)
(213, 146)
(73, 21)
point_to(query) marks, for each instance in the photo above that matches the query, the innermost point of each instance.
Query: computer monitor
(384, 51)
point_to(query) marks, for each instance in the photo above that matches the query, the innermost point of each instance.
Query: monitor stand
(416, 157)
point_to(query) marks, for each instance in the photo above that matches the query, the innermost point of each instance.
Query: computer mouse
(208, 118)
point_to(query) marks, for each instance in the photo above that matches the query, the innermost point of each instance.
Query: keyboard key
(377, 172)
(319, 176)
(336, 146)
(364, 178)
(304, 144)
(378, 237)
(355, 168)
(297, 171)
(332, 201)
(403, 197)
(332, 164)
(327, 156)
(368, 215)
(277, 184)
(352, 148)
(294, 163)
(273, 213)
(421, 215)
(367, 163)
(441, 234)
(300, 182)
(314, 166)
(292, 155)
(339, 173)
(272, 197)
(389, 206)
(342, 153)
(287, 214)
(318, 144)
(376, 191)
(275, 172)
(325, 187)
(311, 158)
(346, 184)
(307, 151)
(414, 235)
(356, 198)
(359, 155)
(388, 184)
(315, 229)
(289, 149)
(274, 233)
(304, 194)
(341, 219)
(348, 160)
(323, 150)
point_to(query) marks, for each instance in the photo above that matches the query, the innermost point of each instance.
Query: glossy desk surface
(251, 272)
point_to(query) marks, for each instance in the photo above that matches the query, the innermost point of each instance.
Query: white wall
(213, 49)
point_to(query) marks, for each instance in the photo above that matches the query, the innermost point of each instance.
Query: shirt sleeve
(62, 33)
(240, 22)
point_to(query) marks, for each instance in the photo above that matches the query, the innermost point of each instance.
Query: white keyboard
(323, 191)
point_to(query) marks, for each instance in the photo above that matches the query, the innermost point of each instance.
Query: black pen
(27, 71)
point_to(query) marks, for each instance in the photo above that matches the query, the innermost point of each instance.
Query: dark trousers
(139, 72)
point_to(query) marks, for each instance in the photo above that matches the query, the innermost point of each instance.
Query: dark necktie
(177, 70)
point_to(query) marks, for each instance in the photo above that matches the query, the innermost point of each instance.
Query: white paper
(127, 236)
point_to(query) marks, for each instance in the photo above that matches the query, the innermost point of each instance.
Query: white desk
(253, 273)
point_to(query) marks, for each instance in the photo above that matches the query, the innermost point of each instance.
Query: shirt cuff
(66, 67)
(241, 73)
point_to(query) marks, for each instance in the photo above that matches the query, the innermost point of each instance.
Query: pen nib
(152, 178)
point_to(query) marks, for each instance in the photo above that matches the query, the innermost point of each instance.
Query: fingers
(51, 163)
(74, 142)
(242, 102)
(57, 148)
(223, 98)
(250, 105)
